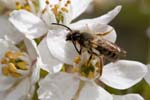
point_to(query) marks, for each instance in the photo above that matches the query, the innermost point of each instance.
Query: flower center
(12, 62)
(58, 9)
(90, 68)
(27, 5)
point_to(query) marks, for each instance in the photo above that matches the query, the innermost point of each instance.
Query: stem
(81, 85)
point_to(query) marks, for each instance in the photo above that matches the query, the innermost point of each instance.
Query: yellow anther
(76, 69)
(91, 75)
(55, 9)
(64, 9)
(68, 1)
(12, 67)
(83, 74)
(13, 55)
(22, 65)
(44, 10)
(47, 2)
(77, 59)
(5, 71)
(66, 5)
(27, 7)
(16, 75)
(56, 6)
(4, 61)
(8, 54)
(18, 6)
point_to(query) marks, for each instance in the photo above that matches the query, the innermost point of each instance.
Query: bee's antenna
(63, 26)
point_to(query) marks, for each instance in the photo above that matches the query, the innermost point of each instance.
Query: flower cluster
(33, 39)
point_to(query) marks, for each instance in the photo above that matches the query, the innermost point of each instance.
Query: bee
(94, 44)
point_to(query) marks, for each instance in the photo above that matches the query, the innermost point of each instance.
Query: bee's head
(74, 35)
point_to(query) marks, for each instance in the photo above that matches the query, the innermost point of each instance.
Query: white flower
(147, 76)
(78, 80)
(19, 71)
(11, 4)
(63, 51)
(62, 11)
(128, 97)
(24, 22)
(10, 31)
(18, 4)
(65, 86)
(6, 28)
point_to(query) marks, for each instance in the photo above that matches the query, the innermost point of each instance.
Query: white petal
(19, 92)
(123, 74)
(6, 46)
(91, 91)
(8, 3)
(60, 48)
(147, 76)
(36, 71)
(48, 17)
(28, 24)
(42, 4)
(103, 28)
(31, 48)
(6, 82)
(52, 64)
(10, 31)
(79, 6)
(60, 86)
(105, 19)
(128, 97)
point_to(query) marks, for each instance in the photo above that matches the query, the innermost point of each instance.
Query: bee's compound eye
(69, 37)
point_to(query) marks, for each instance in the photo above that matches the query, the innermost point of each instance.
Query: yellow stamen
(12, 67)
(4, 61)
(22, 65)
(18, 6)
(47, 2)
(5, 70)
(77, 59)
(64, 9)
(68, 1)
(27, 7)
(55, 9)
(83, 74)
(44, 10)
(91, 75)
(76, 69)
(13, 55)
(16, 75)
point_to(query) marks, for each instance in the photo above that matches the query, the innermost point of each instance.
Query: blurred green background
(131, 25)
